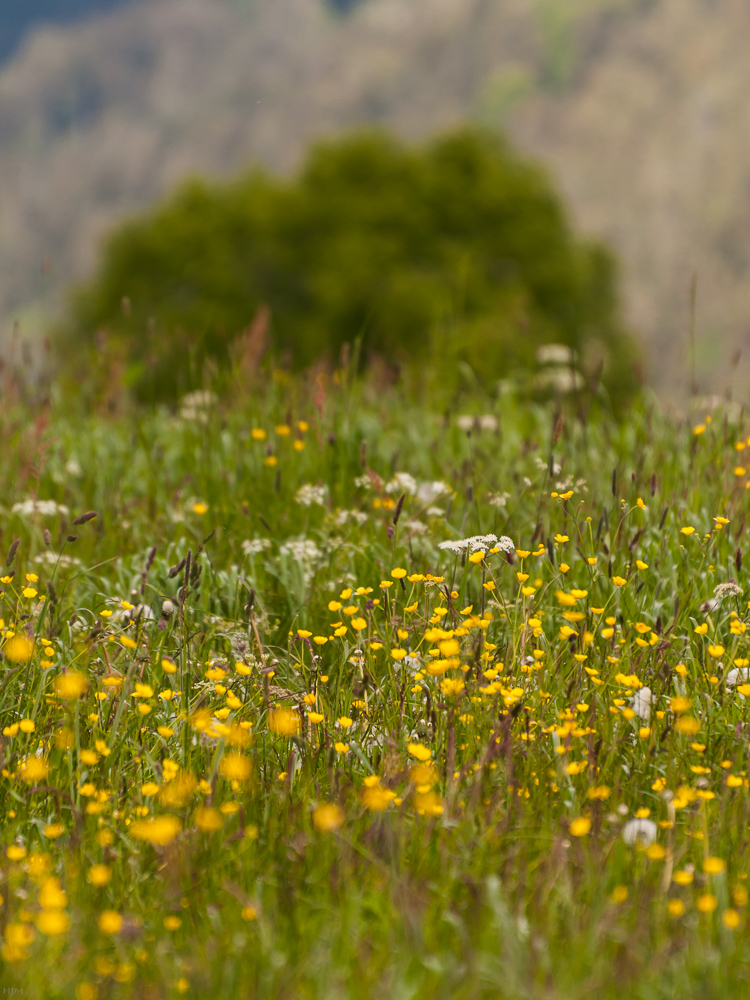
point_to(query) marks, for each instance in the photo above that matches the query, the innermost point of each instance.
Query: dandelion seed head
(639, 831)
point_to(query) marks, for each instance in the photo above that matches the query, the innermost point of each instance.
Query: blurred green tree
(458, 253)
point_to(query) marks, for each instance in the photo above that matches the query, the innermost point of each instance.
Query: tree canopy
(458, 251)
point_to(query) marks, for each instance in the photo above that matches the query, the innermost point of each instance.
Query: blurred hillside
(19, 17)
(637, 106)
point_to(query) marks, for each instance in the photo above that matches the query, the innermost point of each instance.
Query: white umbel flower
(342, 517)
(301, 550)
(254, 546)
(728, 589)
(429, 492)
(308, 495)
(477, 543)
(402, 482)
(47, 508)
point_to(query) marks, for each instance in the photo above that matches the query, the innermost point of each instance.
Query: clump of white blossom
(429, 492)
(478, 543)
(196, 405)
(728, 589)
(307, 495)
(498, 499)
(254, 546)
(50, 558)
(302, 550)
(342, 517)
(402, 482)
(47, 508)
(571, 483)
(541, 464)
(485, 422)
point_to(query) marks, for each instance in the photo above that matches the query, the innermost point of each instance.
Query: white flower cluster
(47, 508)
(402, 482)
(541, 464)
(62, 474)
(308, 495)
(737, 675)
(342, 517)
(555, 354)
(487, 422)
(498, 499)
(560, 380)
(141, 612)
(479, 543)
(49, 558)
(729, 589)
(301, 550)
(429, 492)
(558, 372)
(571, 483)
(195, 405)
(254, 546)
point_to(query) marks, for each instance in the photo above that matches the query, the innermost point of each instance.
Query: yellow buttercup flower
(159, 830)
(713, 866)
(580, 826)
(18, 649)
(706, 903)
(236, 767)
(99, 875)
(110, 922)
(284, 721)
(327, 817)
(71, 685)
(53, 923)
(208, 820)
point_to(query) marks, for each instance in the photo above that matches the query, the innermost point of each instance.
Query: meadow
(320, 691)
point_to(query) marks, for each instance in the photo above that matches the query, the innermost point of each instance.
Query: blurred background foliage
(637, 108)
(18, 17)
(457, 253)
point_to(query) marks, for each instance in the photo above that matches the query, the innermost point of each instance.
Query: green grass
(497, 868)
